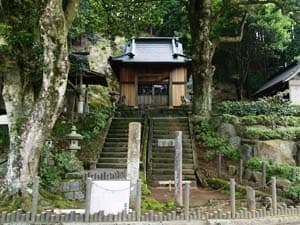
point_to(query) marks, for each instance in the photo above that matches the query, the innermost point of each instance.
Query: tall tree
(209, 22)
(35, 59)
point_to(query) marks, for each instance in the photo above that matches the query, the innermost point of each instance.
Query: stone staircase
(162, 158)
(114, 152)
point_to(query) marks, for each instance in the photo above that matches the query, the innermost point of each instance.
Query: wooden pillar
(170, 90)
(178, 169)
(136, 89)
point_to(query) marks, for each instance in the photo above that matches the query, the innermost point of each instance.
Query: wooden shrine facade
(150, 73)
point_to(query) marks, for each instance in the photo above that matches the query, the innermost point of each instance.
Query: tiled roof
(152, 50)
(287, 75)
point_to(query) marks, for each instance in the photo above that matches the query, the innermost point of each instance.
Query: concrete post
(187, 201)
(178, 168)
(232, 197)
(219, 165)
(264, 174)
(138, 199)
(294, 174)
(274, 195)
(251, 198)
(133, 159)
(35, 198)
(88, 199)
(241, 170)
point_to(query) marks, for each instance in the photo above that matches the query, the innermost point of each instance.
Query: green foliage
(152, 204)
(208, 138)
(54, 166)
(145, 189)
(91, 124)
(278, 170)
(289, 133)
(266, 120)
(275, 105)
(294, 192)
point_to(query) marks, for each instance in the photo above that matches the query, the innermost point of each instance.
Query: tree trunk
(203, 51)
(28, 131)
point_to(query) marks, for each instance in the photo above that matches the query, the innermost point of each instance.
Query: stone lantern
(74, 137)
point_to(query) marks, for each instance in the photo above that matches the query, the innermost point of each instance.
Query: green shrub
(294, 192)
(152, 204)
(288, 133)
(207, 136)
(275, 105)
(91, 124)
(52, 173)
(277, 170)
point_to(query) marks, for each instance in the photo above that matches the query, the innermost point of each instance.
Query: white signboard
(109, 196)
(166, 142)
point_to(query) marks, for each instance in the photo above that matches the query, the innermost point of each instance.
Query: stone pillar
(35, 197)
(138, 200)
(88, 199)
(187, 201)
(241, 170)
(178, 169)
(251, 198)
(219, 165)
(133, 160)
(264, 174)
(232, 197)
(274, 195)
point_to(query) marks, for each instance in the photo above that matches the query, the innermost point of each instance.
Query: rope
(110, 190)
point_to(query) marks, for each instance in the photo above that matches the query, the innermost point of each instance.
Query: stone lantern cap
(74, 135)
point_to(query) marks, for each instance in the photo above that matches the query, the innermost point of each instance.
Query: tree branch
(233, 39)
(71, 12)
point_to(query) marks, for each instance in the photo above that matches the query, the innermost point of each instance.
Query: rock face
(278, 151)
(246, 152)
(235, 142)
(227, 130)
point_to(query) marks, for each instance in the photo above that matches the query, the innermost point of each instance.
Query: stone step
(166, 166)
(164, 155)
(159, 171)
(113, 160)
(156, 178)
(114, 154)
(184, 141)
(170, 150)
(112, 165)
(114, 149)
(170, 160)
(169, 129)
(184, 145)
(116, 139)
(115, 144)
(118, 130)
(170, 135)
(116, 135)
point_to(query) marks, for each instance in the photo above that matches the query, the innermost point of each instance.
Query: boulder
(283, 184)
(227, 130)
(278, 151)
(246, 152)
(232, 170)
(247, 174)
(256, 176)
(235, 142)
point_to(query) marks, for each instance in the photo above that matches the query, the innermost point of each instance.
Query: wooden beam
(136, 84)
(170, 90)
